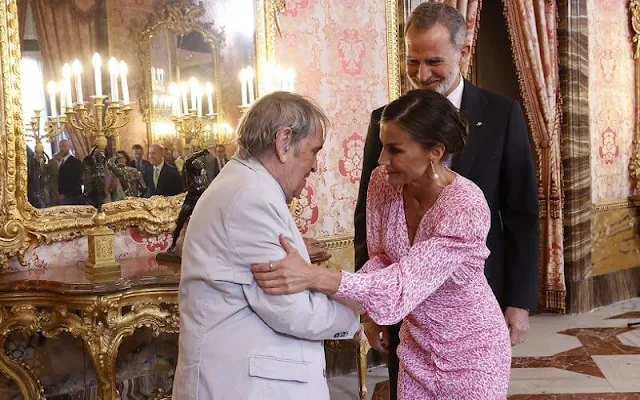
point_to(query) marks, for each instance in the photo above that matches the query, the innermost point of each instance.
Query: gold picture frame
(21, 224)
(634, 162)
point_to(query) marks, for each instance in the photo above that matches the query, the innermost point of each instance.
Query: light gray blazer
(236, 342)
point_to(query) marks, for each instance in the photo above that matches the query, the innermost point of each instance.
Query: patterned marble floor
(584, 356)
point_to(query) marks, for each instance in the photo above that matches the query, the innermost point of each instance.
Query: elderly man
(497, 158)
(236, 342)
(163, 179)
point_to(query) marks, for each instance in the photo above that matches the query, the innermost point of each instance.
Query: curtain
(66, 32)
(533, 33)
(22, 18)
(471, 10)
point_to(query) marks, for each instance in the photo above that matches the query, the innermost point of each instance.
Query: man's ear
(284, 144)
(464, 51)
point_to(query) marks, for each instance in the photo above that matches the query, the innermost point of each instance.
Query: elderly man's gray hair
(426, 15)
(258, 127)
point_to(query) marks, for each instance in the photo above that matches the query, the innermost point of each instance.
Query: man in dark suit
(497, 158)
(163, 179)
(69, 176)
(138, 161)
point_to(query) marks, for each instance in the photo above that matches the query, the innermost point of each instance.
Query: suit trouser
(393, 364)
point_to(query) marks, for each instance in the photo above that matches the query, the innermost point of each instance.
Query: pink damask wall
(338, 50)
(611, 99)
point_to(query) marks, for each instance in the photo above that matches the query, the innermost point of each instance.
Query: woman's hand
(291, 274)
(378, 336)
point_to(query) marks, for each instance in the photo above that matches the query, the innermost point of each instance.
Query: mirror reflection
(87, 95)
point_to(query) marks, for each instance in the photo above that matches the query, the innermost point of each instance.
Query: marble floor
(583, 356)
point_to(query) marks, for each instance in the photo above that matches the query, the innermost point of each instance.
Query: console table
(63, 299)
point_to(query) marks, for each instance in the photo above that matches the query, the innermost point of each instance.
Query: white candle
(66, 74)
(97, 74)
(192, 87)
(199, 97)
(77, 74)
(250, 78)
(154, 76)
(172, 91)
(113, 75)
(209, 89)
(63, 100)
(292, 77)
(123, 80)
(243, 85)
(269, 78)
(51, 86)
(183, 90)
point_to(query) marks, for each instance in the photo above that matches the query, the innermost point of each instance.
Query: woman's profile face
(404, 159)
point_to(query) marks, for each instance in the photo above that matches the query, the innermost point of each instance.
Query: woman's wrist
(326, 280)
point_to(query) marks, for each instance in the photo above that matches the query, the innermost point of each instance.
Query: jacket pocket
(278, 369)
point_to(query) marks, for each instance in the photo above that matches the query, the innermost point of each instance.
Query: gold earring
(433, 169)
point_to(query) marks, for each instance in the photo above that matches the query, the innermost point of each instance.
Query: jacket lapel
(473, 103)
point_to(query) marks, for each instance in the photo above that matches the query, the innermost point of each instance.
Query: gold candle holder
(193, 128)
(100, 121)
(52, 129)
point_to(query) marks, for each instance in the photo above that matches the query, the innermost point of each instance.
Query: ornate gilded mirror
(81, 75)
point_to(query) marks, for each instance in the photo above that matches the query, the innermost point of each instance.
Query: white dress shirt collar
(159, 166)
(455, 97)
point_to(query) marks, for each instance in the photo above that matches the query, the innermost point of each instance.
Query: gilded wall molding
(611, 206)
(21, 224)
(336, 242)
(634, 162)
(394, 33)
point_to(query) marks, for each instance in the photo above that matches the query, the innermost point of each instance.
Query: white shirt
(158, 167)
(455, 97)
(64, 159)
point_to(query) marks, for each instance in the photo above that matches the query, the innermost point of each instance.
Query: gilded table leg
(362, 349)
(29, 385)
(104, 351)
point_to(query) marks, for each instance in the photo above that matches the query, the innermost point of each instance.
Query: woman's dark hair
(125, 155)
(429, 118)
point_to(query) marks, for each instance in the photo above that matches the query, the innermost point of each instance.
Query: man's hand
(378, 336)
(518, 323)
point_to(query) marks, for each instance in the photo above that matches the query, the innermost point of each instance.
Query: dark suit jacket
(169, 182)
(146, 166)
(498, 159)
(70, 177)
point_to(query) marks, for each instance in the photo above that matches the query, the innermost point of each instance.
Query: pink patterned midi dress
(454, 341)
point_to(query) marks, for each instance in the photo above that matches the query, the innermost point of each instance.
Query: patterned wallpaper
(611, 99)
(338, 50)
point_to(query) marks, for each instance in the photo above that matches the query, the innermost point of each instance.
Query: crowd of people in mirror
(63, 179)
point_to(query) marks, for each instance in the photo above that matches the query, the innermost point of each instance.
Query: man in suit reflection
(138, 161)
(163, 179)
(497, 158)
(69, 176)
(214, 165)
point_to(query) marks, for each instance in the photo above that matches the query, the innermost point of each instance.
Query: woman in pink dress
(426, 234)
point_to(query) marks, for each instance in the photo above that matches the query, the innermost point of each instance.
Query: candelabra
(53, 127)
(100, 121)
(194, 128)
